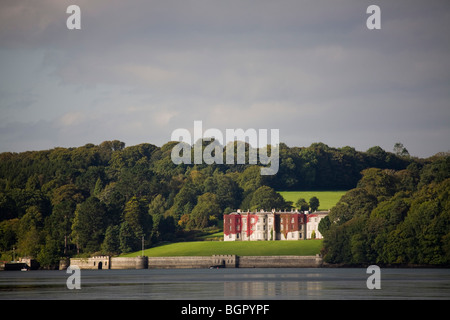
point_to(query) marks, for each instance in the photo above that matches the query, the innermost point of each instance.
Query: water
(227, 284)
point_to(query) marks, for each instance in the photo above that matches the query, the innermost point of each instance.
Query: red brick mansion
(263, 225)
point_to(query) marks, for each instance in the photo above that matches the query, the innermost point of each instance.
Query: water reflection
(227, 284)
(272, 289)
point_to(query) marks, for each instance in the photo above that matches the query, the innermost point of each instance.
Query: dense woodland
(393, 218)
(108, 198)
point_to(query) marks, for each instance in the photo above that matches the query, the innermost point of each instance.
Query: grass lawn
(327, 199)
(240, 248)
(217, 236)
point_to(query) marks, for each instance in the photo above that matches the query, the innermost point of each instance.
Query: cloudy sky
(139, 69)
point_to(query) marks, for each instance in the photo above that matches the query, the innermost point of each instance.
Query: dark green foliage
(314, 203)
(384, 221)
(107, 197)
(89, 225)
(111, 243)
(302, 205)
(207, 207)
(265, 198)
(138, 221)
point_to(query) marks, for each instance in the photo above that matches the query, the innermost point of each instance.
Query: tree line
(393, 217)
(108, 198)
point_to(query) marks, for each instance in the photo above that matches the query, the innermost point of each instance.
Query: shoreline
(205, 262)
(193, 262)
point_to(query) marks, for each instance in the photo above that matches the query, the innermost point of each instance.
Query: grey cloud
(139, 69)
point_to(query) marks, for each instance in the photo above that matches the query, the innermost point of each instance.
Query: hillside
(392, 218)
(106, 198)
(242, 248)
(327, 199)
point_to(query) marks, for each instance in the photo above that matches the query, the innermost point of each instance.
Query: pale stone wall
(93, 263)
(280, 261)
(227, 261)
(129, 263)
(180, 262)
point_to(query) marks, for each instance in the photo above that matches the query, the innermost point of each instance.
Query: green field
(240, 248)
(327, 199)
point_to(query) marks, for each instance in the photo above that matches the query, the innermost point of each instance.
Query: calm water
(235, 284)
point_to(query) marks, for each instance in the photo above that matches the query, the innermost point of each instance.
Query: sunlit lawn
(240, 248)
(327, 199)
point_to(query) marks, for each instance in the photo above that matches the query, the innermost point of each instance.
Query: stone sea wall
(192, 262)
(280, 262)
(129, 263)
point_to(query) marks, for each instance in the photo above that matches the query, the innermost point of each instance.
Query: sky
(137, 70)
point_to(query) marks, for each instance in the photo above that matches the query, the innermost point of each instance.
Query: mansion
(274, 225)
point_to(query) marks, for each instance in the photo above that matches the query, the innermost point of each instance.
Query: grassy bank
(327, 199)
(240, 248)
